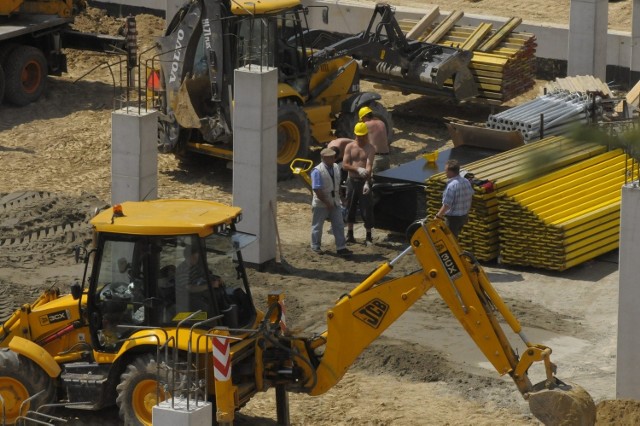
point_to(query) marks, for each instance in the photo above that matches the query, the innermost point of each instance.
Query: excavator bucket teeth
(187, 101)
(564, 405)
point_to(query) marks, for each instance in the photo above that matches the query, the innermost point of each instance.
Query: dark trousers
(355, 199)
(455, 223)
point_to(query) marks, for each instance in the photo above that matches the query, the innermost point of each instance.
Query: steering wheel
(118, 291)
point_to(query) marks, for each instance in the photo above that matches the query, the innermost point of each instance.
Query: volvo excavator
(165, 293)
(318, 74)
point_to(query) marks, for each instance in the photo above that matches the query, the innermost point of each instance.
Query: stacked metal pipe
(564, 218)
(506, 170)
(555, 113)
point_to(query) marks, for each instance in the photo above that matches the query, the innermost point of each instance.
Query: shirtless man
(377, 138)
(358, 162)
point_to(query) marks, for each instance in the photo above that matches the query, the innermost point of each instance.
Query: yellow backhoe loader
(167, 286)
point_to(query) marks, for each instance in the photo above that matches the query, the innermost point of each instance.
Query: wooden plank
(428, 18)
(503, 32)
(476, 37)
(632, 98)
(444, 27)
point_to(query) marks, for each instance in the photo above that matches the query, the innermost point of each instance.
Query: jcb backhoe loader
(168, 275)
(318, 79)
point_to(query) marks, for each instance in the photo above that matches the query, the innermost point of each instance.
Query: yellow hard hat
(364, 111)
(360, 129)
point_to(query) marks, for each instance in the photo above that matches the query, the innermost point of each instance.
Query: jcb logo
(447, 260)
(372, 313)
(54, 317)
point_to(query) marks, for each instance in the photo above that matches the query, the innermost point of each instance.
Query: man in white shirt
(325, 183)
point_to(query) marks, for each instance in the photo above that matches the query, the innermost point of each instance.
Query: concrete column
(134, 155)
(588, 22)
(171, 413)
(627, 371)
(255, 122)
(634, 74)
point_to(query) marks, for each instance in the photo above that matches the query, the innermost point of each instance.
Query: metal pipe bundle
(564, 218)
(507, 170)
(553, 114)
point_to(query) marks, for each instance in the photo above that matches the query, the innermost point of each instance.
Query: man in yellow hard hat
(358, 162)
(377, 138)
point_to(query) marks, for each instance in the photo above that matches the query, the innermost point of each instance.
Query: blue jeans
(319, 215)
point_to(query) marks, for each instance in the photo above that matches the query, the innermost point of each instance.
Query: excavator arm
(384, 55)
(361, 316)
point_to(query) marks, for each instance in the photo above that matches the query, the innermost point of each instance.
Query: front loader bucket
(188, 100)
(566, 404)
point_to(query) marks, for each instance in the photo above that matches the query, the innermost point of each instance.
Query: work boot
(344, 252)
(350, 238)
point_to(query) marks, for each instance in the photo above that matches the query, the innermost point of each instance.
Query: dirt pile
(621, 412)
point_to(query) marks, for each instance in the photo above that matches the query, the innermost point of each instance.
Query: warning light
(153, 81)
(117, 212)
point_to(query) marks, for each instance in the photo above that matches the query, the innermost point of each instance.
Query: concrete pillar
(634, 74)
(171, 413)
(134, 155)
(627, 371)
(255, 122)
(588, 22)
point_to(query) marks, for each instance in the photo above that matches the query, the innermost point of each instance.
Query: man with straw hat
(325, 182)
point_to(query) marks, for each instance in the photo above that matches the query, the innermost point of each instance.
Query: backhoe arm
(359, 317)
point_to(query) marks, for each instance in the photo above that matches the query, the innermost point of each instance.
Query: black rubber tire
(20, 374)
(5, 50)
(294, 136)
(25, 75)
(347, 121)
(345, 124)
(138, 380)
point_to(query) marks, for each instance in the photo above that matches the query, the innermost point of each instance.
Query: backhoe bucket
(566, 404)
(188, 100)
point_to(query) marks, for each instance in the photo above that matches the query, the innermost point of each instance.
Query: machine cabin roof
(166, 217)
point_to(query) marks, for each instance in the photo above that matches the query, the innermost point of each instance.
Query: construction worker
(456, 199)
(377, 138)
(358, 162)
(325, 182)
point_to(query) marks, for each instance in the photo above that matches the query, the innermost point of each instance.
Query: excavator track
(37, 226)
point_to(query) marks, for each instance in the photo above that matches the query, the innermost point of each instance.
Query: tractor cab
(159, 263)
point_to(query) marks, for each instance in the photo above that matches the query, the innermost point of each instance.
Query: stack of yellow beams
(503, 62)
(504, 72)
(564, 218)
(506, 170)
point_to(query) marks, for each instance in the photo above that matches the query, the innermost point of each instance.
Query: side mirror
(76, 291)
(325, 16)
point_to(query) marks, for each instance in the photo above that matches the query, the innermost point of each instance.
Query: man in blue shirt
(456, 199)
(325, 182)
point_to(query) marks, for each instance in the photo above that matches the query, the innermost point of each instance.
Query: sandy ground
(541, 11)
(55, 157)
